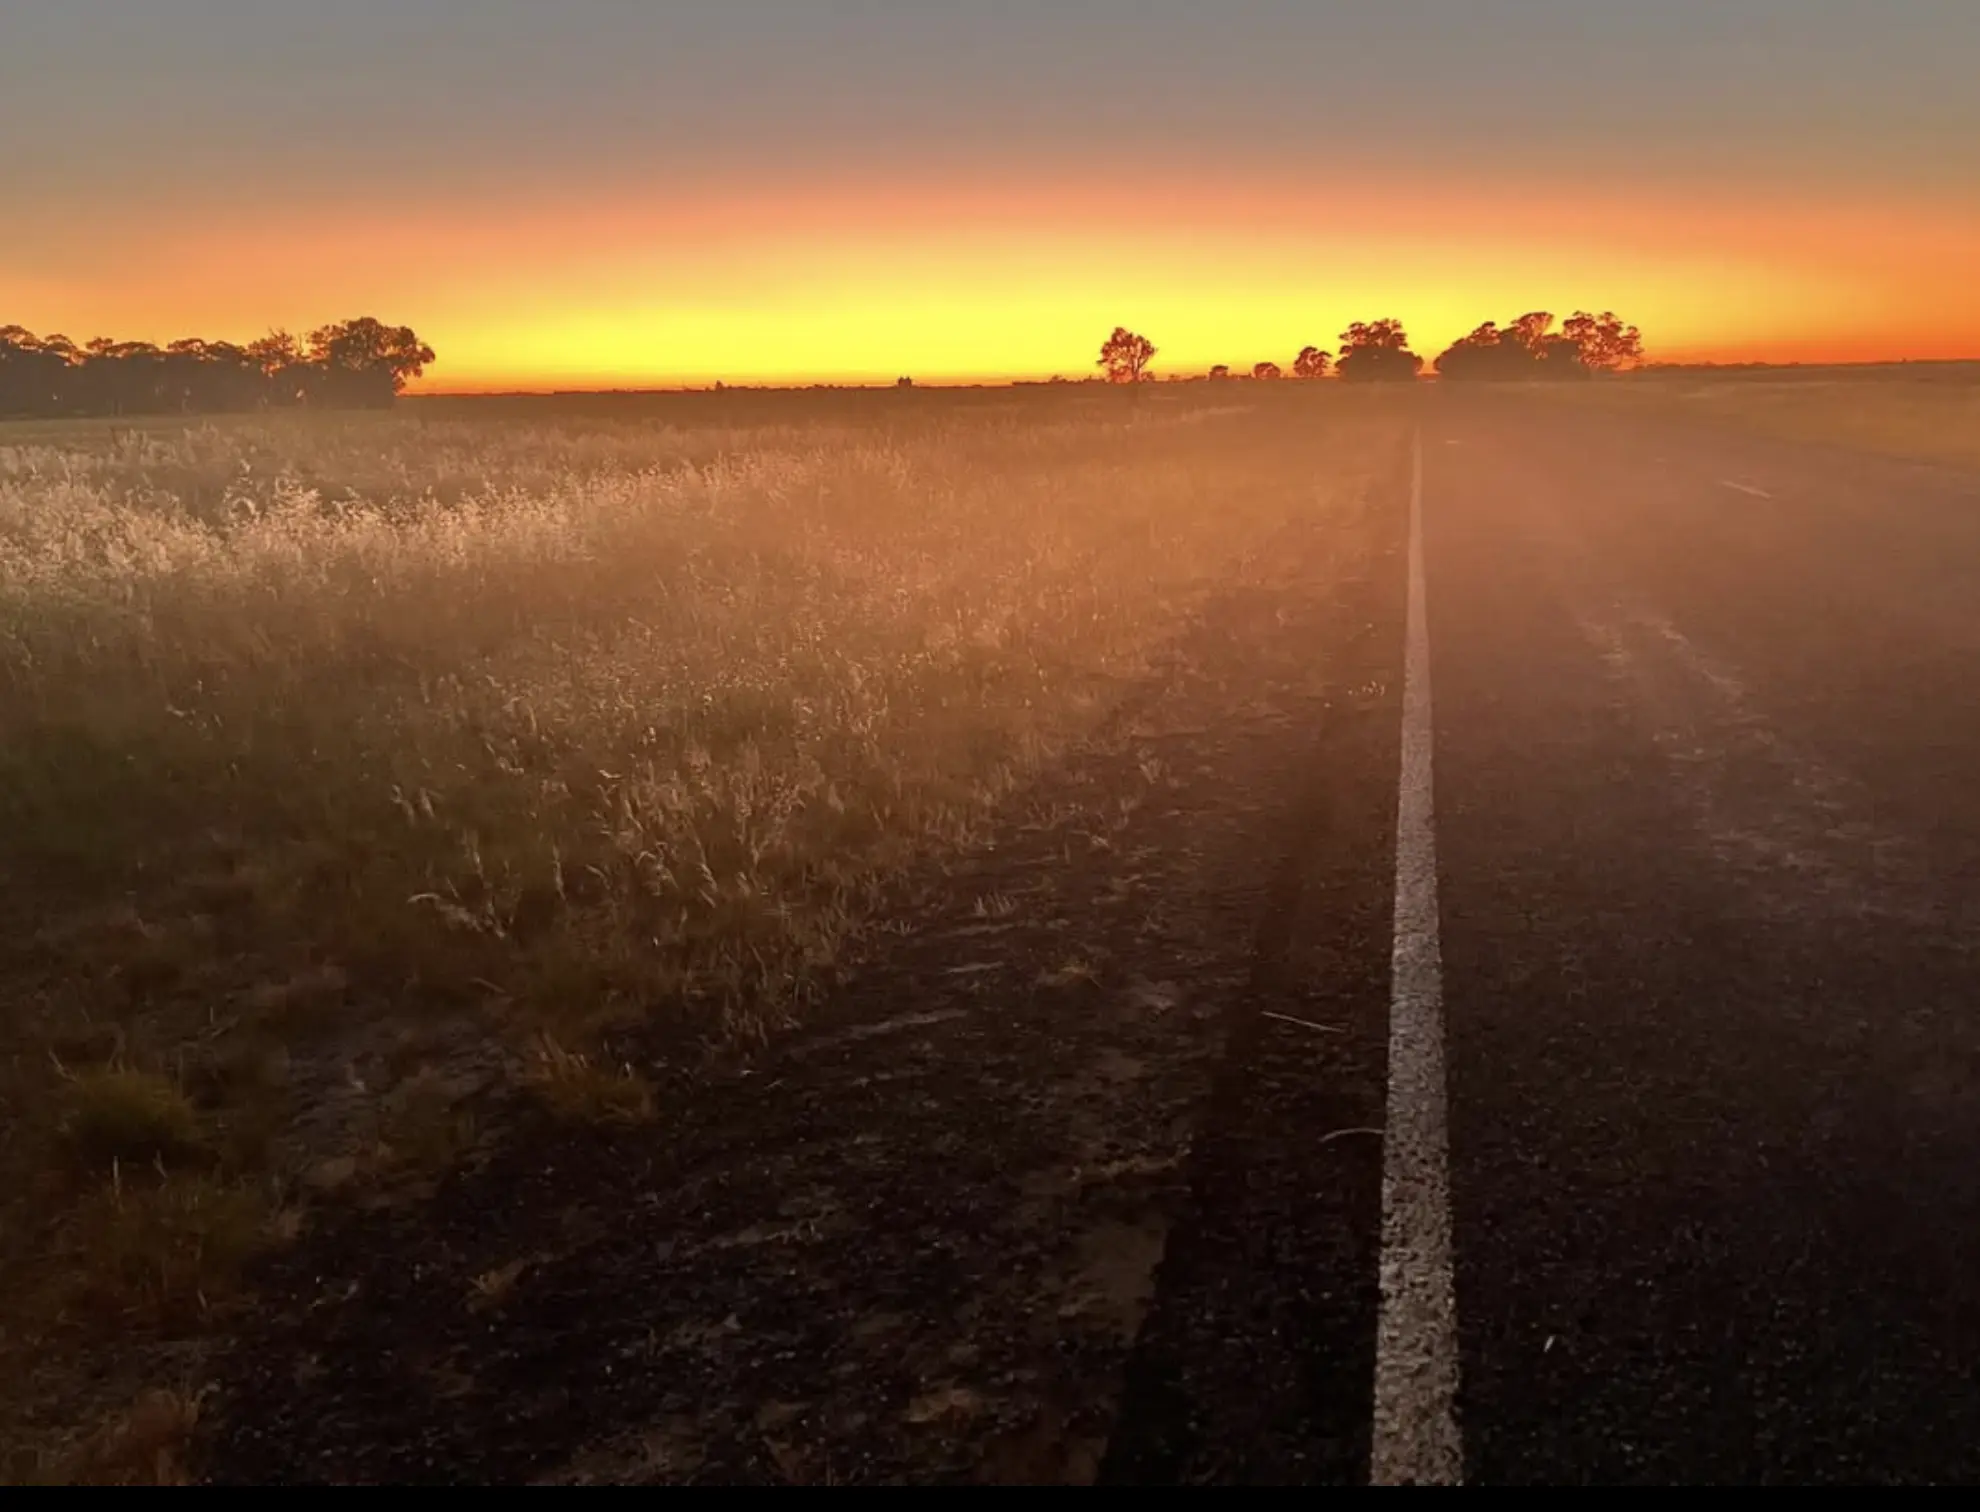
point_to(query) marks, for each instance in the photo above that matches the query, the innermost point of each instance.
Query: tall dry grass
(412, 698)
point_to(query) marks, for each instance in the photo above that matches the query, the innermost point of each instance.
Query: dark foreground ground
(1080, 1180)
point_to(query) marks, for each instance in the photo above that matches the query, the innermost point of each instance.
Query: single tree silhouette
(365, 362)
(1221, 371)
(1124, 356)
(1605, 343)
(1377, 351)
(1311, 363)
(1265, 370)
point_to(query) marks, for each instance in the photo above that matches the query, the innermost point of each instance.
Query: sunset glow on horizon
(795, 229)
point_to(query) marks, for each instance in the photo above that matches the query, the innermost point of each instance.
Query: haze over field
(611, 193)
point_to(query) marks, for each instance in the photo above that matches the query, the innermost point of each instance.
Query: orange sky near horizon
(544, 200)
(862, 282)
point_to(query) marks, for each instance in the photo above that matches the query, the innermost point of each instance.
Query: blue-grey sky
(162, 93)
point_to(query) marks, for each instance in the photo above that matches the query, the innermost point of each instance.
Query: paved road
(1707, 743)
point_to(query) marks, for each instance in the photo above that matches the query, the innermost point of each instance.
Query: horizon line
(802, 385)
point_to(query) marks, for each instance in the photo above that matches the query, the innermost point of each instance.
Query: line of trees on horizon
(1378, 351)
(349, 364)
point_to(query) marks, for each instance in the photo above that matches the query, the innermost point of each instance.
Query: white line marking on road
(1416, 1359)
(1745, 488)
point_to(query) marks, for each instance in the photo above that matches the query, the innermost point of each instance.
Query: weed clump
(120, 1116)
(157, 1249)
(577, 1090)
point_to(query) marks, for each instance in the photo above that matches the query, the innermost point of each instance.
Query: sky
(580, 193)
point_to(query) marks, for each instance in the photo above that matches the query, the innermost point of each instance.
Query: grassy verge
(1931, 418)
(352, 767)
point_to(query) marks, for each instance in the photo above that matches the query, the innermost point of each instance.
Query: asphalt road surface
(1707, 817)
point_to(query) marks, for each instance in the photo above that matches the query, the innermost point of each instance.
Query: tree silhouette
(1560, 357)
(1220, 372)
(31, 373)
(354, 362)
(1490, 353)
(1530, 330)
(1124, 356)
(364, 363)
(1605, 343)
(275, 351)
(1377, 351)
(1381, 335)
(1524, 351)
(1311, 363)
(1265, 370)
(284, 367)
(197, 375)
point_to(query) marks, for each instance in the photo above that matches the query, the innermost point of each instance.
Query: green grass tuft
(116, 1115)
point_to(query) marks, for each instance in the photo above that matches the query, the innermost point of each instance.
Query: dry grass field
(1929, 412)
(358, 774)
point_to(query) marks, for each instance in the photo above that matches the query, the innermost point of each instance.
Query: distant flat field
(1930, 412)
